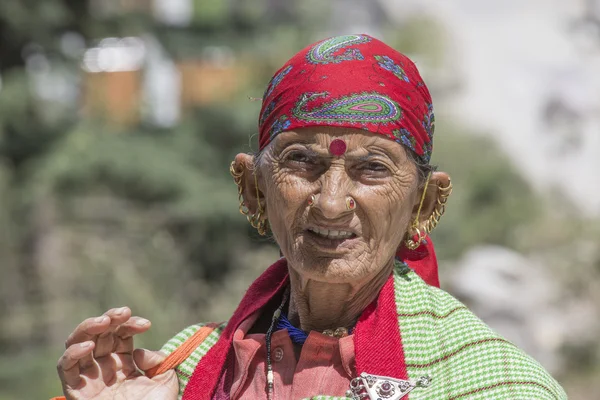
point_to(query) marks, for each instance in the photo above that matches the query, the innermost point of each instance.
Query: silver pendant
(376, 387)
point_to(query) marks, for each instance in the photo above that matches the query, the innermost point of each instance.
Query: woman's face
(326, 241)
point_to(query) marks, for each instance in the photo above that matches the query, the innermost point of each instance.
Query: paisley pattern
(324, 52)
(268, 110)
(280, 125)
(429, 121)
(429, 126)
(427, 150)
(356, 108)
(276, 80)
(403, 136)
(387, 63)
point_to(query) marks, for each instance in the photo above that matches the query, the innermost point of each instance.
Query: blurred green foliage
(491, 201)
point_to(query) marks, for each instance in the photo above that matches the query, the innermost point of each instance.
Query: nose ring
(350, 203)
(311, 200)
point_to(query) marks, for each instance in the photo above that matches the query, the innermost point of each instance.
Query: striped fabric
(462, 355)
(441, 338)
(185, 369)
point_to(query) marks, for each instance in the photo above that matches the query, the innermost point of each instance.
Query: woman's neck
(316, 305)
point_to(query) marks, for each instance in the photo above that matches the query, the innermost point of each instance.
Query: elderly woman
(344, 184)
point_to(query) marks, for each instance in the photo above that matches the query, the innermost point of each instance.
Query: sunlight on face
(375, 171)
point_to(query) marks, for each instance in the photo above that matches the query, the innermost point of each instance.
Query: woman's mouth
(330, 239)
(332, 234)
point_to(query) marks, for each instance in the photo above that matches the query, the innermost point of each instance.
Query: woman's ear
(436, 181)
(253, 199)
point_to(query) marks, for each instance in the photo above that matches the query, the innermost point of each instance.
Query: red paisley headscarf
(355, 81)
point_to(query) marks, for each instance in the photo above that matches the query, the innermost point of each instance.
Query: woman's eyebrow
(370, 155)
(290, 142)
(311, 153)
(308, 151)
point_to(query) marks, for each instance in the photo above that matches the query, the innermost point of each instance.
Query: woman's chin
(330, 269)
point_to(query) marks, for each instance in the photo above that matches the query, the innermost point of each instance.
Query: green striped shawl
(465, 359)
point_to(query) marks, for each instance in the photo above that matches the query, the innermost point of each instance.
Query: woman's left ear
(437, 188)
(253, 198)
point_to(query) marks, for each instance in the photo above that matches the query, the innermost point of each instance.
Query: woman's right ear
(243, 166)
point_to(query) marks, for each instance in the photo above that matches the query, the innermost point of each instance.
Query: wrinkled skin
(100, 361)
(332, 280)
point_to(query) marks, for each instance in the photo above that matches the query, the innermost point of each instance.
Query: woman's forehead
(322, 136)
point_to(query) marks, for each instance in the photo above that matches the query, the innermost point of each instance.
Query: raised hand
(100, 361)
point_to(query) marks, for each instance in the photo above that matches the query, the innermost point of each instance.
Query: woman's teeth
(331, 234)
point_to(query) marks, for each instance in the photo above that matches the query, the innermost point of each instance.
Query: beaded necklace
(276, 316)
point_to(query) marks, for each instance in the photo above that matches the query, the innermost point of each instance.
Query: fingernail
(85, 344)
(142, 322)
(120, 311)
(101, 319)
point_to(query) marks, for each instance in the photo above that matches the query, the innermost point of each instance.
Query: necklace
(276, 316)
(297, 336)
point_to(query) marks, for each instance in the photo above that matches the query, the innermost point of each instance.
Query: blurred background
(118, 120)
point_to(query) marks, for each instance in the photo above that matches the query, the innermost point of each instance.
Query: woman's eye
(374, 166)
(297, 156)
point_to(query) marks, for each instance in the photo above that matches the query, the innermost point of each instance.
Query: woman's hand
(100, 361)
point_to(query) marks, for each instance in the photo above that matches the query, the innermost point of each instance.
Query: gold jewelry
(237, 178)
(350, 203)
(256, 220)
(337, 333)
(440, 208)
(434, 218)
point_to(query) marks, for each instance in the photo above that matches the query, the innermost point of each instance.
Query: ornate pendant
(382, 387)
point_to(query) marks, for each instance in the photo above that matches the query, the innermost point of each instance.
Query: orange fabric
(325, 365)
(182, 352)
(59, 398)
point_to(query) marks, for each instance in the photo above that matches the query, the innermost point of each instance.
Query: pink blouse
(325, 366)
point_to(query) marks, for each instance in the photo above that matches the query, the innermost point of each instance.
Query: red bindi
(337, 147)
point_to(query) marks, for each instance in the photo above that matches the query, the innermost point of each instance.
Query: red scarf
(377, 338)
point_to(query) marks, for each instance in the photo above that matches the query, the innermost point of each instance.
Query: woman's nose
(331, 201)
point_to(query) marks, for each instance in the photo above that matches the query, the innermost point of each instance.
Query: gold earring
(413, 242)
(256, 220)
(259, 222)
(237, 178)
(440, 207)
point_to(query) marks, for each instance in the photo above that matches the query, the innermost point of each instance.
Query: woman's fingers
(88, 330)
(146, 359)
(125, 332)
(111, 333)
(68, 364)
(105, 342)
(133, 326)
